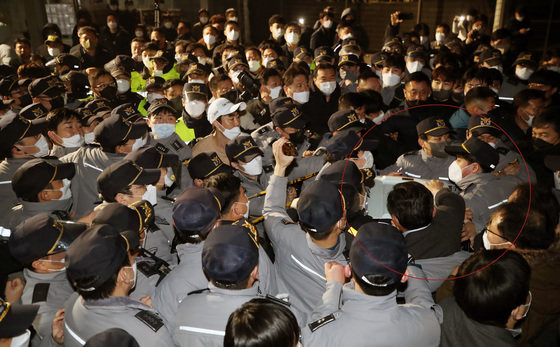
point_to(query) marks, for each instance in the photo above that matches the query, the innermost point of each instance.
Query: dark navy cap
(230, 252)
(379, 249)
(281, 102)
(242, 148)
(36, 174)
(323, 52)
(98, 105)
(150, 157)
(526, 58)
(97, 254)
(433, 126)
(206, 164)
(484, 154)
(14, 128)
(288, 117)
(352, 175)
(196, 211)
(196, 88)
(378, 58)
(137, 217)
(416, 51)
(41, 236)
(347, 142)
(301, 52)
(123, 174)
(275, 64)
(112, 337)
(479, 125)
(197, 68)
(348, 59)
(114, 131)
(51, 86)
(15, 318)
(319, 206)
(344, 120)
(236, 61)
(69, 60)
(491, 56)
(34, 111)
(7, 84)
(127, 112)
(160, 104)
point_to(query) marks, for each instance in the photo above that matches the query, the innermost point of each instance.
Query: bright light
(301, 21)
(462, 18)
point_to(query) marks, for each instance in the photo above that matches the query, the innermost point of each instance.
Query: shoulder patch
(40, 292)
(410, 153)
(264, 130)
(177, 145)
(277, 300)
(321, 322)
(160, 147)
(152, 320)
(287, 221)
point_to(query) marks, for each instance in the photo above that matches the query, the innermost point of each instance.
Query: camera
(250, 85)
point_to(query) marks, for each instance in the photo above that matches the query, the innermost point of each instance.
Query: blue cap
(379, 249)
(319, 206)
(196, 211)
(231, 252)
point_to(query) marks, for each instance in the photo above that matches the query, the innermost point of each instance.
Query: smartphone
(406, 16)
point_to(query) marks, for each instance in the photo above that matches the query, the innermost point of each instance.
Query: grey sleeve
(418, 292)
(330, 302)
(274, 210)
(48, 341)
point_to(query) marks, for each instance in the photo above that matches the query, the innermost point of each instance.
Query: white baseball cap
(223, 106)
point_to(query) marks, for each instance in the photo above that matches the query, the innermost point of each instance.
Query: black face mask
(441, 95)
(57, 102)
(109, 93)
(298, 137)
(541, 145)
(25, 100)
(458, 97)
(412, 103)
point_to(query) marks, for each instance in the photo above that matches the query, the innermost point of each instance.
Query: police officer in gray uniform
(431, 162)
(40, 243)
(116, 137)
(42, 187)
(485, 130)
(20, 141)
(102, 271)
(195, 213)
(482, 191)
(365, 312)
(302, 249)
(230, 258)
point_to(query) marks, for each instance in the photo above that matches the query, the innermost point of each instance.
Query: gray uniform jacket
(507, 156)
(440, 268)
(83, 319)
(49, 291)
(159, 241)
(420, 165)
(59, 151)
(175, 145)
(299, 261)
(202, 318)
(484, 193)
(9, 199)
(55, 208)
(90, 162)
(350, 318)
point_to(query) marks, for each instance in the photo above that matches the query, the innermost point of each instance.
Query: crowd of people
(174, 186)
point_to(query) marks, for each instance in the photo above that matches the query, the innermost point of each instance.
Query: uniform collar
(355, 301)
(326, 253)
(253, 291)
(482, 177)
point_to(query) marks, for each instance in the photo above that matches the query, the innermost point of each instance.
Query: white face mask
(553, 68)
(275, 92)
(150, 195)
(204, 60)
(164, 130)
(235, 76)
(43, 147)
(137, 58)
(195, 108)
(523, 73)
(327, 88)
(493, 144)
(529, 121)
(328, 24)
(390, 79)
(168, 178)
(233, 35)
(89, 138)
(266, 61)
(413, 66)
(278, 33)
(134, 271)
(65, 189)
(301, 97)
(138, 143)
(254, 167)
(62, 269)
(112, 25)
(123, 86)
(53, 51)
(369, 160)
(347, 36)
(72, 141)
(440, 37)
(209, 39)
(203, 20)
(488, 245)
(158, 72)
(154, 96)
(138, 33)
(379, 118)
(292, 38)
(147, 62)
(233, 19)
(246, 204)
(454, 172)
(21, 340)
(231, 133)
(254, 65)
(379, 73)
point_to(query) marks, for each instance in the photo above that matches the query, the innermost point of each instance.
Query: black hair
(445, 73)
(267, 73)
(92, 78)
(540, 197)
(394, 60)
(471, 159)
(173, 82)
(150, 46)
(368, 289)
(272, 45)
(546, 77)
(261, 322)
(57, 116)
(276, 18)
(22, 40)
(445, 27)
(228, 185)
(501, 34)
(422, 27)
(351, 101)
(293, 71)
(489, 293)
(495, 75)
(479, 73)
(412, 203)
(548, 117)
(521, 99)
(102, 291)
(220, 77)
(367, 74)
(477, 95)
(323, 66)
(372, 100)
(418, 76)
(237, 285)
(317, 235)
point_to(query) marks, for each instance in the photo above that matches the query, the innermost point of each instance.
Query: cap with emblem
(343, 171)
(112, 337)
(193, 89)
(34, 111)
(36, 174)
(161, 104)
(281, 102)
(15, 318)
(242, 148)
(14, 128)
(319, 206)
(484, 154)
(41, 236)
(97, 254)
(123, 174)
(344, 120)
(221, 107)
(79, 84)
(7, 84)
(378, 250)
(237, 61)
(206, 164)
(350, 43)
(526, 58)
(114, 131)
(479, 125)
(69, 60)
(150, 157)
(323, 53)
(275, 64)
(288, 117)
(230, 252)
(123, 63)
(416, 51)
(348, 59)
(52, 38)
(127, 112)
(51, 86)
(378, 58)
(154, 82)
(432, 126)
(95, 109)
(196, 211)
(301, 52)
(347, 142)
(197, 68)
(137, 217)
(490, 56)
